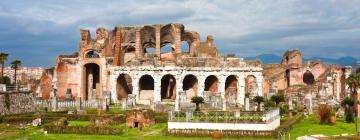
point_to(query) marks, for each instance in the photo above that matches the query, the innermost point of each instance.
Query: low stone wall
(16, 103)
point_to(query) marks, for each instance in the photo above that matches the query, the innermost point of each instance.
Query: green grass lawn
(310, 126)
(151, 133)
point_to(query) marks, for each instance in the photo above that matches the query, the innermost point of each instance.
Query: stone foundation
(16, 103)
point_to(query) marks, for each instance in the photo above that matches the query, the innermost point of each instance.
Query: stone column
(177, 43)
(259, 85)
(117, 54)
(157, 41)
(247, 104)
(348, 70)
(201, 86)
(179, 85)
(221, 89)
(310, 103)
(135, 91)
(138, 44)
(157, 89)
(241, 90)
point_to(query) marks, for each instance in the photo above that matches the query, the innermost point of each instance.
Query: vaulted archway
(146, 87)
(91, 80)
(211, 84)
(123, 86)
(190, 86)
(231, 88)
(168, 87)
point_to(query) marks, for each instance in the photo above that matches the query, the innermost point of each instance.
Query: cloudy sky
(37, 31)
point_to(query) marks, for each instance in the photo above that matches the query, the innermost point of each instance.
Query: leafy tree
(197, 100)
(277, 98)
(3, 58)
(15, 65)
(258, 100)
(5, 80)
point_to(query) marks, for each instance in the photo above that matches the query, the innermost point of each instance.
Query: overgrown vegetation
(348, 103)
(324, 114)
(258, 100)
(7, 101)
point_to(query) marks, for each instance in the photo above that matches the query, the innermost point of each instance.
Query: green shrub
(93, 130)
(17, 119)
(268, 104)
(161, 118)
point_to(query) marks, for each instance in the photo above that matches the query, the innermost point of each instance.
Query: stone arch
(92, 54)
(251, 85)
(129, 53)
(192, 39)
(287, 78)
(148, 40)
(146, 87)
(91, 80)
(231, 88)
(190, 86)
(167, 34)
(308, 78)
(168, 87)
(211, 84)
(123, 86)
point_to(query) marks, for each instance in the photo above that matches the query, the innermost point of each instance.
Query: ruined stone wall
(179, 73)
(296, 75)
(67, 77)
(45, 85)
(16, 103)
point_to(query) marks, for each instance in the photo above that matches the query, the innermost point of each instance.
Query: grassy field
(151, 133)
(310, 126)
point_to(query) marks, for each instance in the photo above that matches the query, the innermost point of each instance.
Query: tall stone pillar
(135, 91)
(179, 85)
(201, 86)
(241, 90)
(259, 85)
(118, 51)
(177, 43)
(157, 89)
(138, 44)
(347, 71)
(221, 89)
(157, 41)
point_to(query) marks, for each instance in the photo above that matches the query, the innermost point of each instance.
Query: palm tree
(258, 99)
(15, 65)
(3, 58)
(277, 98)
(197, 100)
(353, 81)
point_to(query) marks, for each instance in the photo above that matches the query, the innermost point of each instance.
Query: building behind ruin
(151, 63)
(293, 77)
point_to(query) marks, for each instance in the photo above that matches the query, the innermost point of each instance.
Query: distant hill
(272, 58)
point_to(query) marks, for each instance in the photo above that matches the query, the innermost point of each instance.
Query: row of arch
(190, 85)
